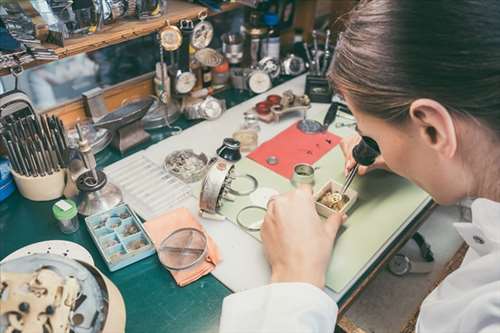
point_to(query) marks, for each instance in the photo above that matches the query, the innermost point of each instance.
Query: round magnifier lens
(183, 249)
(251, 217)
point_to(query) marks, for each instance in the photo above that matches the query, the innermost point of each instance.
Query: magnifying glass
(183, 249)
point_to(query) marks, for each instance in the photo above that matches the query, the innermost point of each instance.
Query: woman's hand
(297, 243)
(347, 145)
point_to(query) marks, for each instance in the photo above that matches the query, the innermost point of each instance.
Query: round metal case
(185, 82)
(214, 186)
(203, 33)
(208, 57)
(259, 81)
(293, 65)
(171, 38)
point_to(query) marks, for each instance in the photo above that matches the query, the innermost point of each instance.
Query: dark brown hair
(395, 51)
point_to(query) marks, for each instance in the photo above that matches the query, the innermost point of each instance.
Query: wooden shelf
(124, 30)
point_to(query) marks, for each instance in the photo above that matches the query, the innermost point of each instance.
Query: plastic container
(66, 213)
(120, 237)
(46, 188)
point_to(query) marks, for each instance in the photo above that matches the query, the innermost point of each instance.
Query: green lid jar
(66, 213)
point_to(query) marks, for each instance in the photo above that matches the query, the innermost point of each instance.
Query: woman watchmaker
(422, 78)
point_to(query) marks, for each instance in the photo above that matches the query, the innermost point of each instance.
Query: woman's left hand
(297, 243)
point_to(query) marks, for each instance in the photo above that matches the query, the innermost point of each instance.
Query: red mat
(292, 147)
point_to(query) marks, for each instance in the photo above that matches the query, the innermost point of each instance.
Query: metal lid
(231, 143)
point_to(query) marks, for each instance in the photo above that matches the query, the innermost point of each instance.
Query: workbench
(154, 303)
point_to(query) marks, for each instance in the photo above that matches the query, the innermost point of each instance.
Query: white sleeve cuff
(279, 307)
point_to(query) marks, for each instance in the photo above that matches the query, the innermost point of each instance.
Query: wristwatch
(184, 82)
(401, 264)
(293, 65)
(271, 66)
(209, 108)
(259, 81)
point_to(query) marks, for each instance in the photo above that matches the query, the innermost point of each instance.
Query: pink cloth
(160, 227)
(291, 147)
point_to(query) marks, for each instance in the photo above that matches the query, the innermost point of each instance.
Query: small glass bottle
(248, 133)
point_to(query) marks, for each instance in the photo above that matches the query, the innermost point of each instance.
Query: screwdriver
(364, 153)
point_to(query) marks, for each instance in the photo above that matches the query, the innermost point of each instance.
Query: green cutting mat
(385, 202)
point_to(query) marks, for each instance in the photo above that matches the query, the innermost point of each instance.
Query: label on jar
(273, 47)
(63, 205)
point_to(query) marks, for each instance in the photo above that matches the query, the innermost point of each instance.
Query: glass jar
(248, 133)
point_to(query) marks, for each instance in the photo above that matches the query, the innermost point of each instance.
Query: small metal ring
(202, 15)
(238, 193)
(247, 208)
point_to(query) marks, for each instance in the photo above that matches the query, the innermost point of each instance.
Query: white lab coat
(467, 301)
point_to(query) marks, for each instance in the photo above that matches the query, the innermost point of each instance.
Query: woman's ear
(435, 126)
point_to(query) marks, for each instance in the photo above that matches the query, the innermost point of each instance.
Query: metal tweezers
(350, 178)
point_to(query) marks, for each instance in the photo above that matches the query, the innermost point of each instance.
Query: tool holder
(318, 89)
(41, 188)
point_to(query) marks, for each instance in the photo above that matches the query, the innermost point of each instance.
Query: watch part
(186, 165)
(334, 200)
(214, 188)
(41, 292)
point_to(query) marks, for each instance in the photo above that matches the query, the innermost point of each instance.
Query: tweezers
(350, 178)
